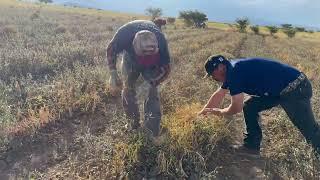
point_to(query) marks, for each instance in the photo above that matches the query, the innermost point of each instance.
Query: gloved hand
(115, 83)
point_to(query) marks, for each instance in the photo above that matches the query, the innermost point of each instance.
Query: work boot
(245, 150)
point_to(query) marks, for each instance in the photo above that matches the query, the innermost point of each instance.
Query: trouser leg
(152, 111)
(301, 115)
(130, 75)
(252, 107)
(298, 107)
(152, 106)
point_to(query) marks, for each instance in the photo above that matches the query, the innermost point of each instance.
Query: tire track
(238, 51)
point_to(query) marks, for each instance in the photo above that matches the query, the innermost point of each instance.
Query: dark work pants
(297, 106)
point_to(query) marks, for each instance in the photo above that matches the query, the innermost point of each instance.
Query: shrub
(286, 26)
(301, 29)
(153, 12)
(255, 29)
(290, 32)
(273, 29)
(60, 30)
(171, 20)
(193, 18)
(7, 31)
(46, 1)
(242, 24)
(35, 15)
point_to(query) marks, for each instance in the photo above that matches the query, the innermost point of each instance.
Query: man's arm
(111, 57)
(216, 98)
(235, 107)
(121, 39)
(214, 101)
(164, 65)
(118, 43)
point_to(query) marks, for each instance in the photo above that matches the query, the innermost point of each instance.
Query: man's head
(216, 68)
(145, 45)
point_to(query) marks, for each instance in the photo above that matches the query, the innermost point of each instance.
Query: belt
(294, 84)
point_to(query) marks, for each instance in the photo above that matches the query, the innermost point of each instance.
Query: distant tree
(242, 24)
(171, 20)
(300, 29)
(255, 29)
(310, 31)
(153, 12)
(273, 29)
(291, 32)
(193, 18)
(186, 16)
(46, 1)
(286, 26)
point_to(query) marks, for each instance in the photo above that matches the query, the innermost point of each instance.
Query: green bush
(273, 30)
(242, 24)
(255, 29)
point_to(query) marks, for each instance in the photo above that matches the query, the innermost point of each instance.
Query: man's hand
(115, 83)
(215, 111)
(204, 111)
(162, 74)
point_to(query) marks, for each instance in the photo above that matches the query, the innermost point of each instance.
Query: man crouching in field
(145, 52)
(270, 83)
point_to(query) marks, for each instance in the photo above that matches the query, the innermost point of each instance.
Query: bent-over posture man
(270, 83)
(145, 53)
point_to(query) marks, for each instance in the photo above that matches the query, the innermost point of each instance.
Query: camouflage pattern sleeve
(120, 41)
(111, 57)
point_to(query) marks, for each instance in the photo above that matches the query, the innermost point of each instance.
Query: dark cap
(212, 63)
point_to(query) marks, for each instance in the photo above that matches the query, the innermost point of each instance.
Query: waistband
(294, 84)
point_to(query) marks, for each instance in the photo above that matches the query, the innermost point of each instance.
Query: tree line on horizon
(197, 19)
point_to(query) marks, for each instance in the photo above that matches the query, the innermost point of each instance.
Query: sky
(262, 12)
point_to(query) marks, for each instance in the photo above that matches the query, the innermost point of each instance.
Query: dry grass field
(58, 120)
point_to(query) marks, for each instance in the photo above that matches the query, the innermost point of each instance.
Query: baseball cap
(145, 43)
(212, 63)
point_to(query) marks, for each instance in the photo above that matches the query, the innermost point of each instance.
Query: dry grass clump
(60, 30)
(136, 158)
(190, 149)
(109, 28)
(288, 153)
(83, 90)
(7, 31)
(35, 15)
